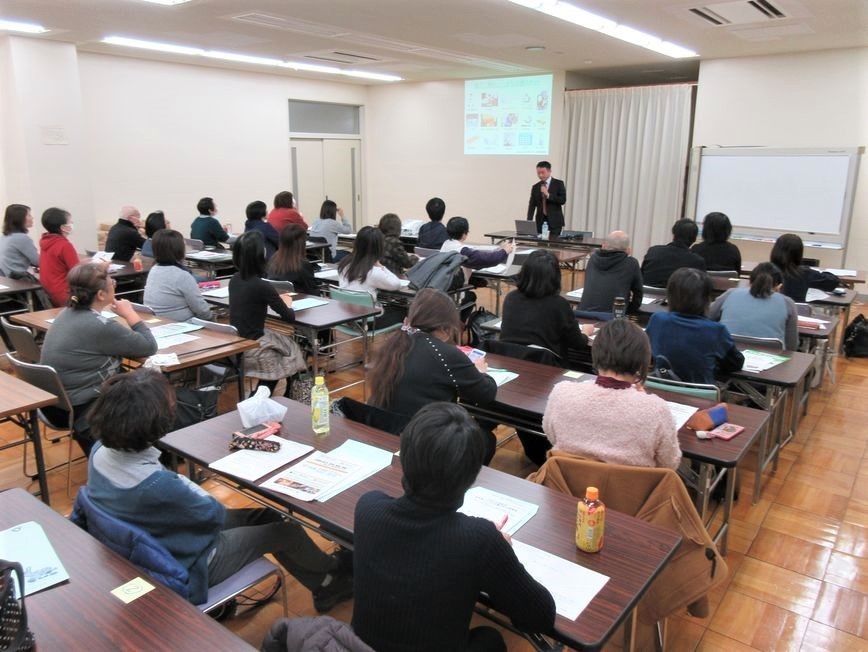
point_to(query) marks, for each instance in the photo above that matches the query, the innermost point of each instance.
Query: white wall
(813, 99)
(415, 150)
(162, 135)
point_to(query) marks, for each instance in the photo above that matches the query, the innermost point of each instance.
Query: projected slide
(508, 115)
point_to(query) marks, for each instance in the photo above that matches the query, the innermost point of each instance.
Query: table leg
(241, 378)
(728, 502)
(32, 431)
(703, 490)
(630, 631)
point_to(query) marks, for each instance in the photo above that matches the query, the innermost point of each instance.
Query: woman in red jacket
(56, 255)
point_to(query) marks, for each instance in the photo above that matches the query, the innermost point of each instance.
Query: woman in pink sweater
(612, 419)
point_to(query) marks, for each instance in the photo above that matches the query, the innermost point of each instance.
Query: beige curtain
(626, 154)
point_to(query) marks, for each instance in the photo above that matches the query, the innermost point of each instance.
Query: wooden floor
(798, 559)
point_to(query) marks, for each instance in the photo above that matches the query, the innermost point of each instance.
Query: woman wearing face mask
(56, 255)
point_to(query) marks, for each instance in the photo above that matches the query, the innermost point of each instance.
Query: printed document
(252, 465)
(681, 413)
(507, 513)
(28, 545)
(757, 361)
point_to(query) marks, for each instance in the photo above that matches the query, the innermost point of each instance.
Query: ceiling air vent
(290, 24)
(744, 12)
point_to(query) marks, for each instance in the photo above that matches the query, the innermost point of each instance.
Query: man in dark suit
(547, 198)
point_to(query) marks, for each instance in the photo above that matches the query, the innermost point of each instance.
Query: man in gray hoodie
(612, 272)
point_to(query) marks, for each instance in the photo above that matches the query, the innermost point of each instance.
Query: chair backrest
(131, 543)
(45, 378)
(769, 342)
(22, 340)
(538, 354)
(326, 252)
(193, 244)
(142, 308)
(282, 286)
(351, 296)
(699, 390)
(804, 309)
(725, 273)
(217, 327)
(424, 252)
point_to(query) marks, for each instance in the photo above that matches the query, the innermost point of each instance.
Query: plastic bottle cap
(319, 380)
(592, 493)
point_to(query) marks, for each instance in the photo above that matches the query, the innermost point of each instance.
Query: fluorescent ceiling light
(152, 45)
(166, 2)
(243, 58)
(25, 28)
(577, 16)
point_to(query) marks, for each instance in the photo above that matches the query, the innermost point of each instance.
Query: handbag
(302, 384)
(856, 338)
(15, 636)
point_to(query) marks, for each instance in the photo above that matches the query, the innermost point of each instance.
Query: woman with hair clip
(421, 363)
(787, 254)
(760, 310)
(17, 251)
(86, 348)
(290, 263)
(619, 422)
(362, 271)
(278, 356)
(395, 257)
(716, 249)
(536, 313)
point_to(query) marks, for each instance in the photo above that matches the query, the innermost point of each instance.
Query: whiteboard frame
(820, 240)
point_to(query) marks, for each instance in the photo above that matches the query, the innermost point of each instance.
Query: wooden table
(18, 289)
(522, 401)
(18, 404)
(850, 281)
(82, 614)
(552, 241)
(209, 346)
(634, 553)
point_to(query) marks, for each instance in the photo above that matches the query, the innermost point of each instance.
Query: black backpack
(856, 338)
(441, 271)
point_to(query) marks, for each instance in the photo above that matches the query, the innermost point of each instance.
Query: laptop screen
(525, 227)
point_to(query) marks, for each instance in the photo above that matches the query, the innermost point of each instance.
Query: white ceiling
(451, 39)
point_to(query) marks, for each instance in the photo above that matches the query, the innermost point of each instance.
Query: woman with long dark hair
(395, 257)
(290, 263)
(760, 310)
(421, 363)
(362, 271)
(798, 278)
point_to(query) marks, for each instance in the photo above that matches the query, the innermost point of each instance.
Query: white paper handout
(840, 272)
(577, 293)
(100, 256)
(252, 465)
(174, 340)
(507, 513)
(501, 376)
(323, 475)
(309, 302)
(572, 586)
(814, 294)
(217, 293)
(757, 361)
(327, 274)
(209, 255)
(500, 269)
(680, 412)
(174, 328)
(28, 545)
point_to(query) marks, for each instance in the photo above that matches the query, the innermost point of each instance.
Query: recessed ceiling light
(572, 14)
(24, 28)
(535, 48)
(243, 58)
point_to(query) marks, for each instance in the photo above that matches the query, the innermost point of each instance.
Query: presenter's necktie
(544, 202)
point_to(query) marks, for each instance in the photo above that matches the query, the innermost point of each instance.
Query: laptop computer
(525, 227)
(576, 235)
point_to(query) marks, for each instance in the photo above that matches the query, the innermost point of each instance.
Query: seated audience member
(256, 212)
(171, 291)
(126, 479)
(420, 565)
(716, 249)
(17, 251)
(124, 238)
(536, 313)
(56, 255)
(362, 271)
(612, 272)
(328, 228)
(250, 296)
(207, 227)
(290, 263)
(662, 260)
(86, 348)
(153, 223)
(395, 257)
(433, 234)
(760, 310)
(458, 229)
(421, 363)
(798, 278)
(613, 419)
(284, 213)
(695, 346)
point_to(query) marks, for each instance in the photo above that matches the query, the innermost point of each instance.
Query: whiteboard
(769, 191)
